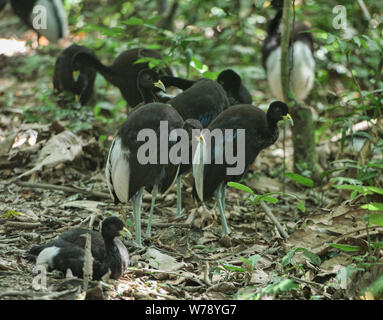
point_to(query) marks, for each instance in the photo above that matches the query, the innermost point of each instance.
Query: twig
(146, 270)
(365, 10)
(307, 282)
(169, 297)
(21, 225)
(56, 295)
(47, 186)
(165, 225)
(274, 219)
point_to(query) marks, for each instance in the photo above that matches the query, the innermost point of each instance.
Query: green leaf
(375, 189)
(252, 261)
(314, 259)
(231, 267)
(371, 44)
(301, 206)
(282, 286)
(11, 213)
(374, 218)
(287, 259)
(357, 41)
(268, 199)
(133, 21)
(240, 186)
(300, 179)
(373, 206)
(377, 245)
(346, 247)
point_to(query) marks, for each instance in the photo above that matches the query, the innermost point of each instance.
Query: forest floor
(186, 257)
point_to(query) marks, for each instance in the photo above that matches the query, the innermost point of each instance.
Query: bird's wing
(118, 171)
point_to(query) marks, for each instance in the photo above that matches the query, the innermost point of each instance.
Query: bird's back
(203, 101)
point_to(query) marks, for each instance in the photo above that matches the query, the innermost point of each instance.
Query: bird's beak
(160, 85)
(124, 231)
(287, 118)
(201, 139)
(76, 74)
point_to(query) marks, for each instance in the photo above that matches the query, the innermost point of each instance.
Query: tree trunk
(303, 131)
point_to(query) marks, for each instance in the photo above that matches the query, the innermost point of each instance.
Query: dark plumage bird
(236, 92)
(65, 79)
(123, 72)
(301, 49)
(203, 101)
(31, 13)
(261, 131)
(128, 171)
(67, 251)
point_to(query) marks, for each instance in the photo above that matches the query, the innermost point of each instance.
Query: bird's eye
(147, 77)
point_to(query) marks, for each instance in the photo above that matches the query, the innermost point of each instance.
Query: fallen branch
(21, 225)
(100, 195)
(149, 271)
(274, 219)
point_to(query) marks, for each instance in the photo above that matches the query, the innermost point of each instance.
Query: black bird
(236, 92)
(203, 101)
(32, 13)
(67, 251)
(301, 50)
(261, 131)
(134, 165)
(123, 72)
(74, 77)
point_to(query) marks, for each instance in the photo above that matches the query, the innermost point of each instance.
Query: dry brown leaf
(161, 261)
(62, 147)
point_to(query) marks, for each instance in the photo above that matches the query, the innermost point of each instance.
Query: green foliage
(255, 199)
(278, 286)
(374, 218)
(307, 182)
(346, 247)
(312, 257)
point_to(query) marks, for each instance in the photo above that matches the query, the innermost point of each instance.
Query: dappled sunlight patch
(11, 47)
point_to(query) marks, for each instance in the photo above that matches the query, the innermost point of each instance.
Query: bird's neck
(273, 130)
(112, 257)
(147, 95)
(274, 23)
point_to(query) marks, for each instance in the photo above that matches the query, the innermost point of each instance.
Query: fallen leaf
(62, 147)
(161, 261)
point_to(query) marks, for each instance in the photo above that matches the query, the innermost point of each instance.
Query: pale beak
(160, 85)
(76, 74)
(287, 118)
(201, 139)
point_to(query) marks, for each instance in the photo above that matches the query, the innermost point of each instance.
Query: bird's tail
(199, 160)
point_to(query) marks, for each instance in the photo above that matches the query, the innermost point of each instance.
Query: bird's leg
(224, 197)
(220, 197)
(179, 195)
(137, 201)
(154, 196)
